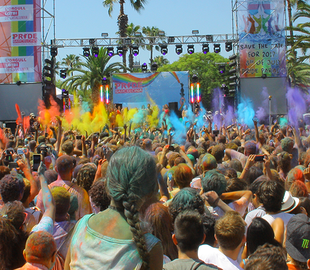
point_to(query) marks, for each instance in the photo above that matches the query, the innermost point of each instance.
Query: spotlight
(190, 49)
(104, 81)
(144, 67)
(53, 51)
(217, 48)
(110, 51)
(205, 48)
(86, 52)
(163, 49)
(178, 49)
(154, 67)
(222, 69)
(95, 51)
(194, 78)
(228, 46)
(92, 41)
(120, 51)
(18, 83)
(135, 50)
(63, 73)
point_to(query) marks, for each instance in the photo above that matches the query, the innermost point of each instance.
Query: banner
(26, 39)
(137, 89)
(16, 64)
(261, 29)
(20, 41)
(16, 13)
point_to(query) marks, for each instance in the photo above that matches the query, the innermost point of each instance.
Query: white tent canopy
(59, 94)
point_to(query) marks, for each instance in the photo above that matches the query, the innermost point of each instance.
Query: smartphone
(215, 132)
(78, 137)
(9, 155)
(259, 158)
(36, 162)
(13, 165)
(20, 151)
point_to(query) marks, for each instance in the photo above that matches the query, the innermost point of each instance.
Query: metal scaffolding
(48, 26)
(143, 41)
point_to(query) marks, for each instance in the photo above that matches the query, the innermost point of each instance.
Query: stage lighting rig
(163, 49)
(95, 51)
(178, 49)
(217, 48)
(205, 48)
(54, 51)
(135, 50)
(63, 73)
(154, 67)
(110, 51)
(228, 46)
(120, 51)
(86, 52)
(190, 49)
(144, 67)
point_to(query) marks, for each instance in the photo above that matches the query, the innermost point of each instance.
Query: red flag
(19, 119)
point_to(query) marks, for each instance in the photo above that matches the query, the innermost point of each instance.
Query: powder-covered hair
(186, 199)
(131, 177)
(40, 246)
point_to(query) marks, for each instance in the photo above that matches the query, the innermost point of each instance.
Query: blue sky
(88, 19)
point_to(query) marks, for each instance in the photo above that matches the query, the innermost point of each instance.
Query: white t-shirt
(211, 255)
(258, 212)
(284, 216)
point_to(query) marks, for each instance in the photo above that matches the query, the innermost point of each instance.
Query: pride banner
(20, 41)
(262, 38)
(137, 89)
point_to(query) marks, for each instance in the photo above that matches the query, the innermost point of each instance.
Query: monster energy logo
(305, 243)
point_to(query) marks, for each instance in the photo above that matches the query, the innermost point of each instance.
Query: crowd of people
(221, 197)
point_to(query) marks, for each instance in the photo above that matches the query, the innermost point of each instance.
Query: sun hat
(289, 202)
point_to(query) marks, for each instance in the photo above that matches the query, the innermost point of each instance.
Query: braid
(131, 177)
(132, 216)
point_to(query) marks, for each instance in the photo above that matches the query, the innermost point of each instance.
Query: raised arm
(34, 189)
(47, 198)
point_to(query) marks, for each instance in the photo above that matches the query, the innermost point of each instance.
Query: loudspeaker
(173, 106)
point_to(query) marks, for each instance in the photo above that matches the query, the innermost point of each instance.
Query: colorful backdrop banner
(137, 89)
(20, 41)
(261, 29)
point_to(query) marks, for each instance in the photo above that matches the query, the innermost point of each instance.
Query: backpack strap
(196, 266)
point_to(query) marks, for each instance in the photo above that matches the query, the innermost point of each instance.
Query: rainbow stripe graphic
(173, 73)
(126, 78)
(21, 27)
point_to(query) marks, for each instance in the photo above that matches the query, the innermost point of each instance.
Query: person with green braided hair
(114, 238)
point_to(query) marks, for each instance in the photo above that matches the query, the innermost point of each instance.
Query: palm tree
(298, 72)
(302, 41)
(290, 4)
(91, 72)
(161, 61)
(151, 32)
(71, 61)
(122, 20)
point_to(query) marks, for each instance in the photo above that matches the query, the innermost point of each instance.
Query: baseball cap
(298, 238)
(289, 203)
